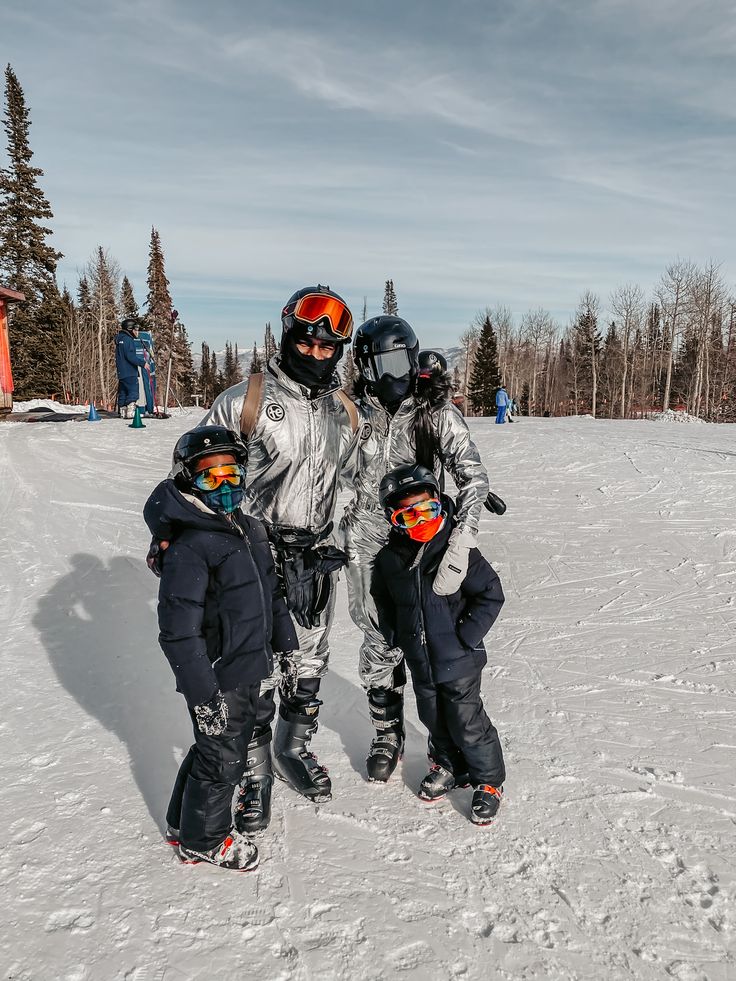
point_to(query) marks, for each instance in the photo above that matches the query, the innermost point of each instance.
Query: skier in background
(409, 417)
(502, 401)
(129, 357)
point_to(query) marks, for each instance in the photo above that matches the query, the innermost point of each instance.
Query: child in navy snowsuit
(441, 637)
(221, 618)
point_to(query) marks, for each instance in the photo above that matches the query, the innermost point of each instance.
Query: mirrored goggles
(213, 477)
(395, 363)
(316, 306)
(413, 515)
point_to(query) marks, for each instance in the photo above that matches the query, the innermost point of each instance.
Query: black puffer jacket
(441, 636)
(220, 610)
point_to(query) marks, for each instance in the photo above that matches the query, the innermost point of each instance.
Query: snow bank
(48, 404)
(670, 415)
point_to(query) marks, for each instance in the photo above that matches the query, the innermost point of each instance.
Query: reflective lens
(210, 479)
(416, 513)
(394, 363)
(316, 306)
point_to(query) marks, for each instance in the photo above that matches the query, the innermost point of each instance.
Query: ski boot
(387, 715)
(235, 853)
(486, 802)
(253, 806)
(292, 761)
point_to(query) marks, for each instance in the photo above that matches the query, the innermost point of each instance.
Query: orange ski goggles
(313, 307)
(415, 514)
(211, 478)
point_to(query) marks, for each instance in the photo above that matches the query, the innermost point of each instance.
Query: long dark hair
(428, 394)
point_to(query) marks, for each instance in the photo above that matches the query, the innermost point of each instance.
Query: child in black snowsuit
(221, 618)
(441, 637)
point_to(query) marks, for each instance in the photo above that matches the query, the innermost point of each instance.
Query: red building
(6, 375)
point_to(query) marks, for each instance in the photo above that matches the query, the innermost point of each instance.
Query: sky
(475, 152)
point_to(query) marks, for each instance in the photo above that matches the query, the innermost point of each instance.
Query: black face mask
(305, 369)
(391, 391)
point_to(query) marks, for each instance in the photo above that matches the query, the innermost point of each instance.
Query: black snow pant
(460, 733)
(201, 802)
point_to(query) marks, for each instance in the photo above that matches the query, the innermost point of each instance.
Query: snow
(611, 680)
(49, 404)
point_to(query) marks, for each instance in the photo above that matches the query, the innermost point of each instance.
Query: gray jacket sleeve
(461, 458)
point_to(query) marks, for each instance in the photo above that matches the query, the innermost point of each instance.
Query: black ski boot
(235, 854)
(387, 715)
(292, 761)
(253, 806)
(437, 784)
(486, 802)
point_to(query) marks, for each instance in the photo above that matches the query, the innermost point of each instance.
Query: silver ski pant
(364, 534)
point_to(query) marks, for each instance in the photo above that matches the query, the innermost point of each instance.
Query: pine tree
(205, 376)
(185, 374)
(586, 354)
(485, 378)
(27, 261)
(237, 370)
(256, 364)
(159, 309)
(269, 344)
(103, 277)
(390, 304)
(128, 305)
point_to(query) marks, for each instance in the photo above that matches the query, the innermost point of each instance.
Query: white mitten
(454, 565)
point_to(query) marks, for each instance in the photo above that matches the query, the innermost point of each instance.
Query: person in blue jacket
(441, 637)
(129, 357)
(502, 401)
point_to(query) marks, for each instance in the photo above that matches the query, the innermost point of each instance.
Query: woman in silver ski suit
(405, 422)
(303, 445)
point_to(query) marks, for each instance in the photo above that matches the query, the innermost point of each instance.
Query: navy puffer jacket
(221, 613)
(441, 636)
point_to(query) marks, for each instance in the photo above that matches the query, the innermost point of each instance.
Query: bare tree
(671, 294)
(627, 303)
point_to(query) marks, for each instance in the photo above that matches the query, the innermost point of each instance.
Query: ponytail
(428, 394)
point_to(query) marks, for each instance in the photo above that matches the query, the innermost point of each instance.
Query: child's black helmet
(431, 362)
(409, 479)
(205, 441)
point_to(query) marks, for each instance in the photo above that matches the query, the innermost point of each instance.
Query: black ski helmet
(386, 345)
(130, 323)
(205, 441)
(431, 362)
(411, 478)
(335, 326)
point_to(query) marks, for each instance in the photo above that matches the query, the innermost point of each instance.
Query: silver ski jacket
(390, 444)
(300, 450)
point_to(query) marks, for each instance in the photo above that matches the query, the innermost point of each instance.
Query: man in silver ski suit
(386, 353)
(303, 444)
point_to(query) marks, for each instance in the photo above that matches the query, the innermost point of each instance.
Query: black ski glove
(155, 557)
(299, 585)
(212, 716)
(326, 559)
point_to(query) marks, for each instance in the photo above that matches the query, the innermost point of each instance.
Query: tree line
(673, 349)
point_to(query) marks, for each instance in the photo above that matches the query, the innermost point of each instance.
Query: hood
(433, 550)
(167, 510)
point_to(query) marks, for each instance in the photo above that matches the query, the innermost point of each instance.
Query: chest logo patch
(366, 431)
(274, 412)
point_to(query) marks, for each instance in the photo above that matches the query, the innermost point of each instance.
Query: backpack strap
(251, 404)
(349, 408)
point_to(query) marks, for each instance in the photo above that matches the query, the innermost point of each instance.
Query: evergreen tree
(256, 364)
(159, 310)
(128, 305)
(205, 375)
(237, 370)
(390, 304)
(269, 344)
(27, 261)
(586, 344)
(184, 363)
(485, 378)
(227, 364)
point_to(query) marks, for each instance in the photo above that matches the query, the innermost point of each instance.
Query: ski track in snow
(611, 679)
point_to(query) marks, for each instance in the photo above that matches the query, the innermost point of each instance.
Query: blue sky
(475, 152)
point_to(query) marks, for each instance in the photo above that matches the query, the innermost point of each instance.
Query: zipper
(423, 636)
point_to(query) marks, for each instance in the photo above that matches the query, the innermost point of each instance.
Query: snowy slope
(611, 681)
